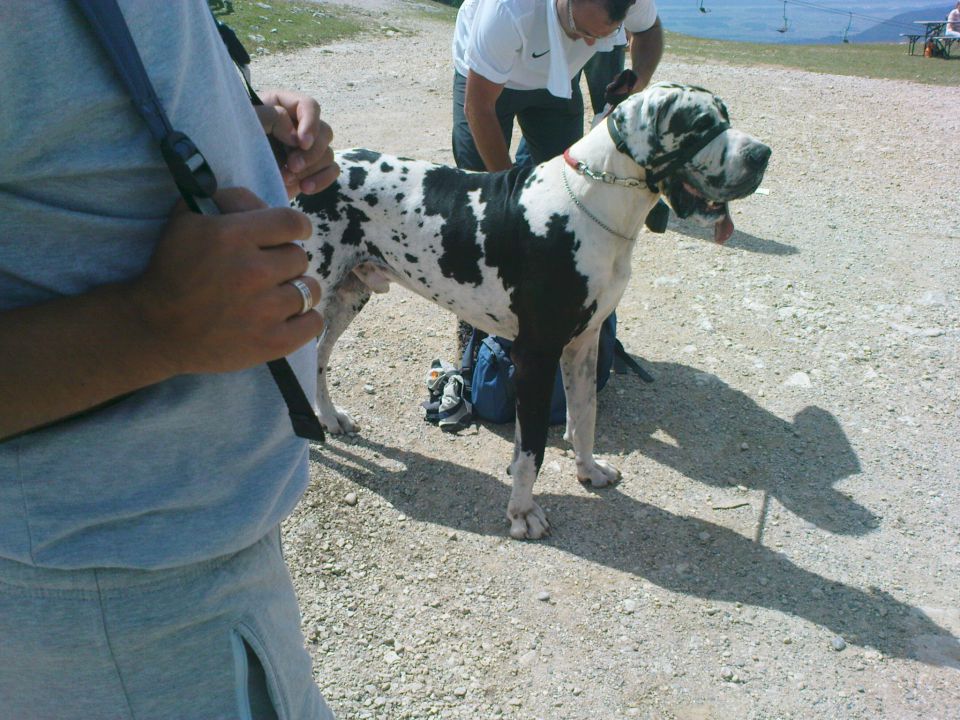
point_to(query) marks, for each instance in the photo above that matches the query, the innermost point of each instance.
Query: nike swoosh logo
(538, 55)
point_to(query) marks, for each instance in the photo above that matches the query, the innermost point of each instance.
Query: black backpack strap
(624, 357)
(191, 172)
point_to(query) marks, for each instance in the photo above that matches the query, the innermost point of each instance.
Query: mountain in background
(814, 21)
(886, 33)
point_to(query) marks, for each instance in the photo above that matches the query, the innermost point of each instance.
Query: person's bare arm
(214, 298)
(646, 49)
(479, 106)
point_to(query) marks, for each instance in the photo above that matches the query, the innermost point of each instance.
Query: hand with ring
(306, 296)
(227, 292)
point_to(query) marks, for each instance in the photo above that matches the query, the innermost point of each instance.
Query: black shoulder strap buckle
(188, 166)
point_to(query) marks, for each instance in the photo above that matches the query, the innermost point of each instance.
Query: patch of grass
(888, 61)
(436, 11)
(280, 25)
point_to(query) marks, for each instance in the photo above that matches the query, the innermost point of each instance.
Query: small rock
(460, 691)
(368, 389)
(350, 499)
(798, 379)
(543, 596)
(838, 643)
(629, 606)
(727, 674)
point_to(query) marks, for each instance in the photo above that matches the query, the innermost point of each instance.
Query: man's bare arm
(646, 49)
(214, 298)
(480, 107)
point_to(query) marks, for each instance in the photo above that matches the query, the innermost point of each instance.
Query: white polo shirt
(520, 43)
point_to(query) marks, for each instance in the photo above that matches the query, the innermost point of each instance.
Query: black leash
(191, 172)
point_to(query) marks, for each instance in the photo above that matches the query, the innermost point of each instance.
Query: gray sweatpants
(218, 639)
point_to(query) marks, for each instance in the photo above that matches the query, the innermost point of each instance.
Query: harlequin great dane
(540, 255)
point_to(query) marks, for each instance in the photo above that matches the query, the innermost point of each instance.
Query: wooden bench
(945, 42)
(911, 40)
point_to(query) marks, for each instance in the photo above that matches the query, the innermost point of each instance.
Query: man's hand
(294, 120)
(217, 297)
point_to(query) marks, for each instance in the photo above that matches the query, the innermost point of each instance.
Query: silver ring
(305, 295)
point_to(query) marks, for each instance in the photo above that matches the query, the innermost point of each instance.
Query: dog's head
(681, 136)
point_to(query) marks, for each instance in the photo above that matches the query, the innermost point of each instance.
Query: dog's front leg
(338, 307)
(579, 366)
(533, 377)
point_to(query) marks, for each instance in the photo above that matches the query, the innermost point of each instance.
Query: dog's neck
(597, 151)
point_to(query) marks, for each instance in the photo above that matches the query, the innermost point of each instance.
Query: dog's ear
(721, 106)
(641, 120)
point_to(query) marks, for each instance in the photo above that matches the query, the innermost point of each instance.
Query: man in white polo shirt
(516, 59)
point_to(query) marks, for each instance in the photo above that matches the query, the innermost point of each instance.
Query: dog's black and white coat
(525, 254)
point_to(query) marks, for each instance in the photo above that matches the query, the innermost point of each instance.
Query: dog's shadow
(739, 239)
(698, 425)
(684, 554)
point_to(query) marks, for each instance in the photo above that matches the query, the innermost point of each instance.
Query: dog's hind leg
(533, 376)
(338, 308)
(578, 364)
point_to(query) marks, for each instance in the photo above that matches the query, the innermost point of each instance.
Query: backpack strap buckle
(189, 167)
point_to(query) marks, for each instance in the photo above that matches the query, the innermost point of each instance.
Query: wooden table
(932, 31)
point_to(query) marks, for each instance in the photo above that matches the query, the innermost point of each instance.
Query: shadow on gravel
(698, 425)
(617, 531)
(739, 239)
(796, 462)
(693, 422)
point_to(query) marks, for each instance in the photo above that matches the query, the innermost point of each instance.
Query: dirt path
(786, 539)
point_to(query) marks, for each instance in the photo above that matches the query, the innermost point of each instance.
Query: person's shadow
(795, 462)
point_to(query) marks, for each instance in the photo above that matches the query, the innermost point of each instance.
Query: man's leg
(217, 639)
(550, 124)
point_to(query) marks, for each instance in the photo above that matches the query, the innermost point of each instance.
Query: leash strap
(191, 172)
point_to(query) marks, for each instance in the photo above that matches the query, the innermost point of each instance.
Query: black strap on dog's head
(669, 162)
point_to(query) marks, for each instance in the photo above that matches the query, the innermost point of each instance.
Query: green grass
(280, 25)
(888, 61)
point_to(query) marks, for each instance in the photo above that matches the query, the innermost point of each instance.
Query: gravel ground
(785, 542)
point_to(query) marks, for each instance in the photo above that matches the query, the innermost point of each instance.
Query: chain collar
(581, 168)
(576, 201)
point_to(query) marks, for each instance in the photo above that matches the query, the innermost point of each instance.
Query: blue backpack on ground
(491, 375)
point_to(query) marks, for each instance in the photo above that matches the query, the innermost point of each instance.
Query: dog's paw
(528, 524)
(598, 473)
(338, 422)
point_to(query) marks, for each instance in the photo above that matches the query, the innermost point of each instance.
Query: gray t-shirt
(189, 469)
